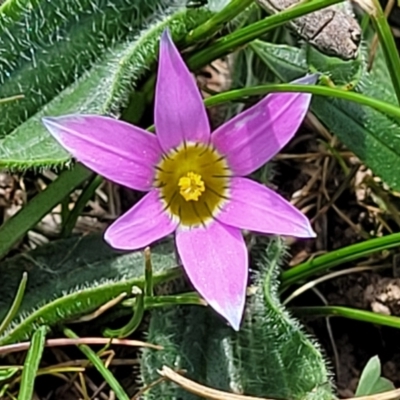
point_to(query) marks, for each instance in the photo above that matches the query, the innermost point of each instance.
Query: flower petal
(143, 224)
(179, 110)
(119, 151)
(256, 208)
(216, 261)
(253, 137)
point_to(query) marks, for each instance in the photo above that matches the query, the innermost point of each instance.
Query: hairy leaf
(86, 58)
(72, 277)
(270, 356)
(47, 45)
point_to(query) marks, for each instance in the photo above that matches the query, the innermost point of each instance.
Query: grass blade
(337, 257)
(262, 90)
(32, 364)
(16, 227)
(388, 44)
(351, 313)
(12, 312)
(98, 364)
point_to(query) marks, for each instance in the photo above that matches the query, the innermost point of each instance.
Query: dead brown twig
(12, 348)
(213, 394)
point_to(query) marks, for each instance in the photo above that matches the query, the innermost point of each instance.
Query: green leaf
(73, 277)
(369, 377)
(31, 364)
(104, 88)
(16, 227)
(47, 45)
(101, 368)
(270, 356)
(371, 135)
(9, 372)
(371, 381)
(383, 385)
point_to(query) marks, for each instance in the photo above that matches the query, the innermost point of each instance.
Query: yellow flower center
(193, 180)
(192, 186)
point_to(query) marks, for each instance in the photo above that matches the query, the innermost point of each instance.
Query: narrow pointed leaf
(31, 364)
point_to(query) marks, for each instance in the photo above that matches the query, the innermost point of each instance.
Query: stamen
(192, 186)
(193, 183)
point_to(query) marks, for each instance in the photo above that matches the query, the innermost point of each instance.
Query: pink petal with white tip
(257, 208)
(253, 137)
(179, 112)
(142, 225)
(215, 259)
(119, 151)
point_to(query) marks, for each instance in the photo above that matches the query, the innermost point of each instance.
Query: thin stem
(337, 257)
(174, 300)
(31, 364)
(133, 323)
(16, 303)
(214, 24)
(332, 275)
(245, 35)
(184, 299)
(12, 98)
(245, 93)
(240, 94)
(351, 313)
(148, 273)
(389, 47)
(99, 365)
(86, 195)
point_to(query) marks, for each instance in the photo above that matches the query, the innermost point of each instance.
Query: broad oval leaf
(371, 381)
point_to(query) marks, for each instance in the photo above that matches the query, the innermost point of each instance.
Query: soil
(356, 342)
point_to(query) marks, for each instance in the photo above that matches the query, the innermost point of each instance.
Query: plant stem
(351, 313)
(240, 94)
(214, 24)
(388, 44)
(87, 193)
(243, 36)
(337, 257)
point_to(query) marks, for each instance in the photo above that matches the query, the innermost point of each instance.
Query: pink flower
(194, 179)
